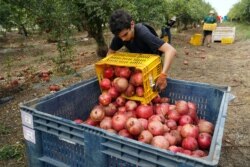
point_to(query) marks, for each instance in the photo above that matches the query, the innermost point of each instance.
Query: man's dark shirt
(144, 41)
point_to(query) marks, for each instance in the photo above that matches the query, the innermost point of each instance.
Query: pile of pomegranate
(175, 127)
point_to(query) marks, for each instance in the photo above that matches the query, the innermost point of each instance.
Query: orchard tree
(152, 12)
(12, 16)
(240, 11)
(95, 14)
(188, 11)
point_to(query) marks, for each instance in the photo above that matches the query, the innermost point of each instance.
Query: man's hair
(119, 20)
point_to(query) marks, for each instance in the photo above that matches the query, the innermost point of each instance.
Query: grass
(11, 151)
(242, 30)
(4, 130)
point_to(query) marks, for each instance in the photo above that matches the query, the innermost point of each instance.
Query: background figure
(165, 31)
(207, 34)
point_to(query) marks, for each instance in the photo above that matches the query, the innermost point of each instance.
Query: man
(207, 34)
(165, 31)
(137, 38)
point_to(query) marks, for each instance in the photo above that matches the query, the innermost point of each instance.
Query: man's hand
(161, 82)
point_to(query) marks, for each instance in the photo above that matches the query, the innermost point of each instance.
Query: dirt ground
(22, 59)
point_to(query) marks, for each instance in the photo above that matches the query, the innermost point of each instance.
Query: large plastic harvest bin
(52, 139)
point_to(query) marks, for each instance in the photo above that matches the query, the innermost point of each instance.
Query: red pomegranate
(156, 128)
(144, 111)
(160, 142)
(119, 121)
(189, 143)
(97, 113)
(189, 130)
(134, 126)
(204, 140)
(145, 137)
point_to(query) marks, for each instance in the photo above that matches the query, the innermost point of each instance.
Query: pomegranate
(166, 128)
(165, 100)
(160, 142)
(124, 72)
(134, 126)
(105, 99)
(157, 99)
(130, 91)
(187, 152)
(189, 143)
(108, 72)
(171, 124)
(110, 109)
(185, 119)
(121, 110)
(97, 113)
(119, 121)
(144, 111)
(177, 134)
(189, 130)
(205, 126)
(192, 106)
(106, 123)
(113, 92)
(120, 84)
(198, 153)
(171, 138)
(89, 121)
(192, 113)
(175, 149)
(158, 117)
(117, 70)
(156, 128)
(144, 123)
(130, 105)
(120, 101)
(179, 128)
(139, 91)
(173, 114)
(172, 107)
(136, 79)
(204, 140)
(182, 107)
(130, 114)
(161, 108)
(78, 121)
(145, 137)
(105, 84)
(125, 133)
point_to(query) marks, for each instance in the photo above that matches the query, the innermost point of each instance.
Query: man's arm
(169, 54)
(110, 51)
(115, 45)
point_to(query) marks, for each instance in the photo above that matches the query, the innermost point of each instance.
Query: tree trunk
(22, 30)
(96, 32)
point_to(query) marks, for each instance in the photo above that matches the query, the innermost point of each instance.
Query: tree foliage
(240, 11)
(188, 11)
(59, 19)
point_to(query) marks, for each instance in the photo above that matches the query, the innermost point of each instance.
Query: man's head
(121, 25)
